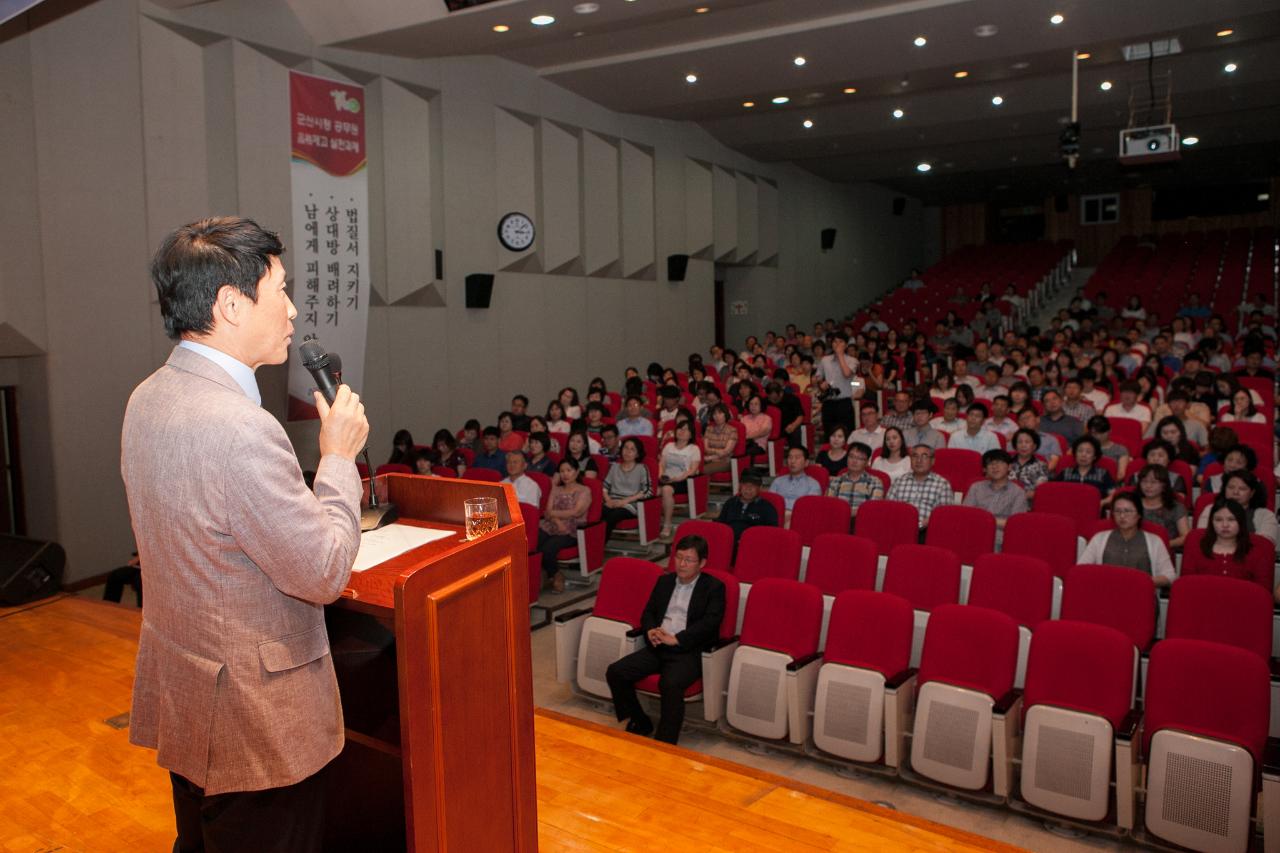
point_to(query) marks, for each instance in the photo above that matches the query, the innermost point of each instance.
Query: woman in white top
(556, 419)
(1242, 409)
(944, 388)
(894, 458)
(680, 460)
(1245, 488)
(1134, 310)
(568, 398)
(1129, 545)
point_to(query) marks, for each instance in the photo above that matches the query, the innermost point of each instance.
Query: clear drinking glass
(482, 516)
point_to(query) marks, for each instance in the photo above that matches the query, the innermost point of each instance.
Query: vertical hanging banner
(330, 247)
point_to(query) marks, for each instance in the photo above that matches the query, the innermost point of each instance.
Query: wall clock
(516, 232)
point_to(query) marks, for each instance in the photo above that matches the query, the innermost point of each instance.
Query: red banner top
(327, 123)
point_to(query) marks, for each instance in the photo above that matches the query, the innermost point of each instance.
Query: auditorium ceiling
(637, 56)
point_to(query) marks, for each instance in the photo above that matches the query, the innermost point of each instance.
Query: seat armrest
(1275, 668)
(716, 663)
(1006, 702)
(573, 614)
(635, 632)
(797, 665)
(900, 679)
(1271, 757)
(1129, 726)
(721, 643)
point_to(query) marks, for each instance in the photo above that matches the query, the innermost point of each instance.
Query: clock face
(515, 231)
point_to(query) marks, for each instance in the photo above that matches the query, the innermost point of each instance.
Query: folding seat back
(1078, 688)
(967, 530)
(779, 634)
(840, 561)
(738, 462)
(814, 515)
(719, 543)
(969, 661)
(1260, 562)
(888, 524)
(958, 466)
(487, 475)
(1206, 713)
(822, 475)
(1221, 610)
(648, 516)
(392, 468)
(589, 552)
(1078, 501)
(444, 471)
(1046, 535)
(768, 552)
(1127, 431)
(868, 643)
(1021, 587)
(926, 576)
(544, 485)
(1115, 596)
(778, 503)
(532, 516)
(601, 635)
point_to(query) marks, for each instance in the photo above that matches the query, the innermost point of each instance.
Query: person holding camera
(839, 385)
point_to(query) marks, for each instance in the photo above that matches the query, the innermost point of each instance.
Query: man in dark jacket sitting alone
(747, 508)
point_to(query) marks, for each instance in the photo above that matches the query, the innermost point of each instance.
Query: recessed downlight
(702, 10)
(1083, 55)
(586, 8)
(850, 90)
(1105, 85)
(920, 41)
(781, 99)
(799, 61)
(691, 78)
(1224, 33)
(808, 123)
(748, 104)
(960, 75)
(1190, 140)
(542, 20)
(1056, 18)
(997, 100)
(500, 28)
(923, 167)
(1230, 68)
(898, 113)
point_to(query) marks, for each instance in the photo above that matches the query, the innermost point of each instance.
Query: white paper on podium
(378, 546)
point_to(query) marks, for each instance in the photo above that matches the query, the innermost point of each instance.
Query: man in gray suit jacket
(234, 686)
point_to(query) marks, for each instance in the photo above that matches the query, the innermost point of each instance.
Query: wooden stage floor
(72, 782)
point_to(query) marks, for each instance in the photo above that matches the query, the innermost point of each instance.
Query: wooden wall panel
(767, 204)
(748, 218)
(699, 211)
(601, 215)
(725, 196)
(559, 197)
(406, 190)
(638, 253)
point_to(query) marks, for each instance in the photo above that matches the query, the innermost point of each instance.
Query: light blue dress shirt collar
(239, 371)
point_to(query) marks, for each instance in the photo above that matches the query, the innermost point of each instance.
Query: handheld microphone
(324, 368)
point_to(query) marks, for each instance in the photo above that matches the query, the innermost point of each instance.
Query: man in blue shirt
(490, 456)
(795, 484)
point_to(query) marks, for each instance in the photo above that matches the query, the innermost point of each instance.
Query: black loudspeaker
(479, 289)
(29, 569)
(439, 265)
(677, 266)
(899, 206)
(1060, 203)
(828, 239)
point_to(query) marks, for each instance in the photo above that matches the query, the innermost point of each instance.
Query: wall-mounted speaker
(828, 239)
(439, 265)
(677, 266)
(479, 289)
(899, 206)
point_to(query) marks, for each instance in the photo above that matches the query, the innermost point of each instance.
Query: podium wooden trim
(453, 615)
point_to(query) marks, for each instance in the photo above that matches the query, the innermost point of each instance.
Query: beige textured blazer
(234, 686)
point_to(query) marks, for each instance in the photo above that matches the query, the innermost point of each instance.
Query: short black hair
(196, 260)
(492, 431)
(996, 455)
(522, 398)
(692, 542)
(752, 476)
(608, 428)
(634, 442)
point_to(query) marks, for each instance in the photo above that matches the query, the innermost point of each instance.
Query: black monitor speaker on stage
(30, 569)
(479, 289)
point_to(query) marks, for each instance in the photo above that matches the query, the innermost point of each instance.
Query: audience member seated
(1240, 457)
(1242, 409)
(680, 460)
(1100, 428)
(527, 490)
(1026, 468)
(1127, 544)
(990, 387)
(1159, 452)
(1129, 405)
(1177, 407)
(921, 487)
(555, 443)
(871, 433)
(1244, 488)
(788, 405)
(895, 456)
(900, 415)
(835, 457)
(1073, 402)
(569, 405)
(489, 456)
(795, 484)
(508, 438)
(1087, 451)
(633, 423)
(610, 442)
(680, 621)
(758, 425)
(997, 494)
(919, 431)
(625, 485)
(1057, 421)
(578, 451)
(855, 485)
(747, 509)
(668, 403)
(421, 461)
(446, 451)
(593, 420)
(520, 413)
(1161, 506)
(401, 448)
(719, 440)
(539, 445)
(1000, 423)
(973, 436)
(949, 422)
(567, 508)
(556, 420)
(1226, 547)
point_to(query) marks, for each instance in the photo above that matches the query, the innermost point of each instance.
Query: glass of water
(482, 516)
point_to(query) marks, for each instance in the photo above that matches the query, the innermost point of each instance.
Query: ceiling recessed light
(781, 99)
(923, 167)
(1020, 66)
(1224, 33)
(960, 75)
(691, 78)
(1190, 140)
(1083, 55)
(997, 101)
(500, 28)
(542, 20)
(851, 90)
(985, 31)
(748, 104)
(586, 8)
(1056, 19)
(920, 41)
(798, 61)
(1230, 68)
(898, 113)
(808, 123)
(1105, 85)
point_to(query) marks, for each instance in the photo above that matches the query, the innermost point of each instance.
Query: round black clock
(515, 232)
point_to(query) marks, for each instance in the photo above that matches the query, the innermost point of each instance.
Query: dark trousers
(277, 820)
(550, 545)
(613, 516)
(838, 412)
(675, 669)
(120, 578)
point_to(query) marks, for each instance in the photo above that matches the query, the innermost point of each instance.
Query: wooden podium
(431, 651)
